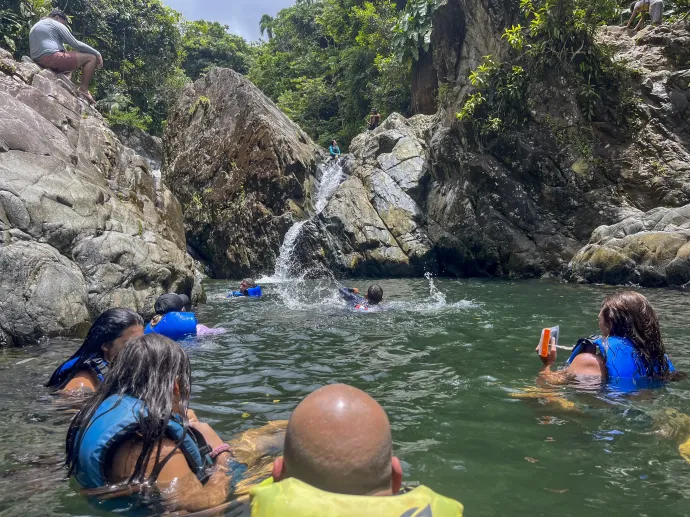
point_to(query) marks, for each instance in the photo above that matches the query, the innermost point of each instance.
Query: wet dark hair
(374, 294)
(628, 314)
(107, 328)
(147, 369)
(374, 111)
(170, 302)
(334, 142)
(58, 13)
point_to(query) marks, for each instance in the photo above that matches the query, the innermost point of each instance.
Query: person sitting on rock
(338, 461)
(247, 287)
(373, 297)
(107, 336)
(628, 356)
(653, 8)
(374, 120)
(138, 434)
(173, 321)
(334, 150)
(47, 40)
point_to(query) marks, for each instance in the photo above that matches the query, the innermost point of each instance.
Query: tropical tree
(266, 25)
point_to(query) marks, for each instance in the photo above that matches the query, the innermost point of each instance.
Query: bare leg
(87, 63)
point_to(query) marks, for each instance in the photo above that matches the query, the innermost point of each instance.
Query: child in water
(372, 299)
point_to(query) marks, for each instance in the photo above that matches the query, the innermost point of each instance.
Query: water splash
(330, 181)
(286, 267)
(285, 261)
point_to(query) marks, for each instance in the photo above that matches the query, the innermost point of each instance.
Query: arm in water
(178, 485)
(583, 364)
(351, 295)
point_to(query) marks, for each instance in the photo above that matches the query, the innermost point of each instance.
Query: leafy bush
(557, 39)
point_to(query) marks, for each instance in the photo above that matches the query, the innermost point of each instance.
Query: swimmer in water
(344, 466)
(174, 320)
(630, 353)
(355, 301)
(247, 287)
(106, 337)
(138, 432)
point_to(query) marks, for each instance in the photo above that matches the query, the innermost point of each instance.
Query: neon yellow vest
(293, 498)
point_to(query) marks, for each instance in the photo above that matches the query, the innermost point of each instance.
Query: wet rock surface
(82, 227)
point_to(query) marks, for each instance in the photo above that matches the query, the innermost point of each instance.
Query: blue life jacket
(117, 420)
(71, 367)
(625, 368)
(252, 291)
(175, 325)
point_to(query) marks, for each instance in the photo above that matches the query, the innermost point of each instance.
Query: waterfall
(330, 180)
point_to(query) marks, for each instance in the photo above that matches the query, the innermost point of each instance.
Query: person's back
(338, 461)
(47, 40)
(372, 299)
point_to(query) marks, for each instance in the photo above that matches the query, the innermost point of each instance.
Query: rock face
(82, 228)
(421, 195)
(373, 224)
(241, 169)
(463, 32)
(650, 249)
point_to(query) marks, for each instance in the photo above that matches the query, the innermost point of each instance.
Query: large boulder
(650, 249)
(82, 226)
(241, 169)
(373, 224)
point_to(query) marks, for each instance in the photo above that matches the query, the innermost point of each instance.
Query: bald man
(338, 444)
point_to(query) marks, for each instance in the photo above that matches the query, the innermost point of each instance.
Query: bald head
(339, 440)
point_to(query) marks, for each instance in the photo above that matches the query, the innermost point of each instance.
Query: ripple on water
(443, 358)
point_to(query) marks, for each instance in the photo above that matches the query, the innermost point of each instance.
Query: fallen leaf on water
(557, 490)
(276, 401)
(246, 415)
(550, 439)
(531, 460)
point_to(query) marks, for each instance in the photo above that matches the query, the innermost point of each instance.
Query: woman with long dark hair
(136, 431)
(105, 339)
(628, 355)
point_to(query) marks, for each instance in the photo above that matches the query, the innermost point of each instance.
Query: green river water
(443, 360)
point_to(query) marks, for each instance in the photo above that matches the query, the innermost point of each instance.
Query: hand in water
(551, 358)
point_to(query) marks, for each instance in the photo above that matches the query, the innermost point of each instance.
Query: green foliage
(328, 62)
(208, 44)
(202, 102)
(414, 28)
(140, 41)
(16, 19)
(554, 39)
(119, 111)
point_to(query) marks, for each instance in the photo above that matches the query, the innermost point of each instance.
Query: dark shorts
(60, 61)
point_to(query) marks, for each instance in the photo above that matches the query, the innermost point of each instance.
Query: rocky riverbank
(82, 225)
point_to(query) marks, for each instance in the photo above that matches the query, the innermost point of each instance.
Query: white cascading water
(330, 180)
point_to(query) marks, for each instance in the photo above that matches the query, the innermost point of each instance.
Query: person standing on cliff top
(47, 40)
(374, 120)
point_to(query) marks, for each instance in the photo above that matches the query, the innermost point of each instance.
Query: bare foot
(87, 95)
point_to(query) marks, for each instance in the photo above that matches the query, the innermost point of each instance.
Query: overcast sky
(241, 15)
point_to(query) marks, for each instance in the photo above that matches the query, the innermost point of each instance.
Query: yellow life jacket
(293, 498)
